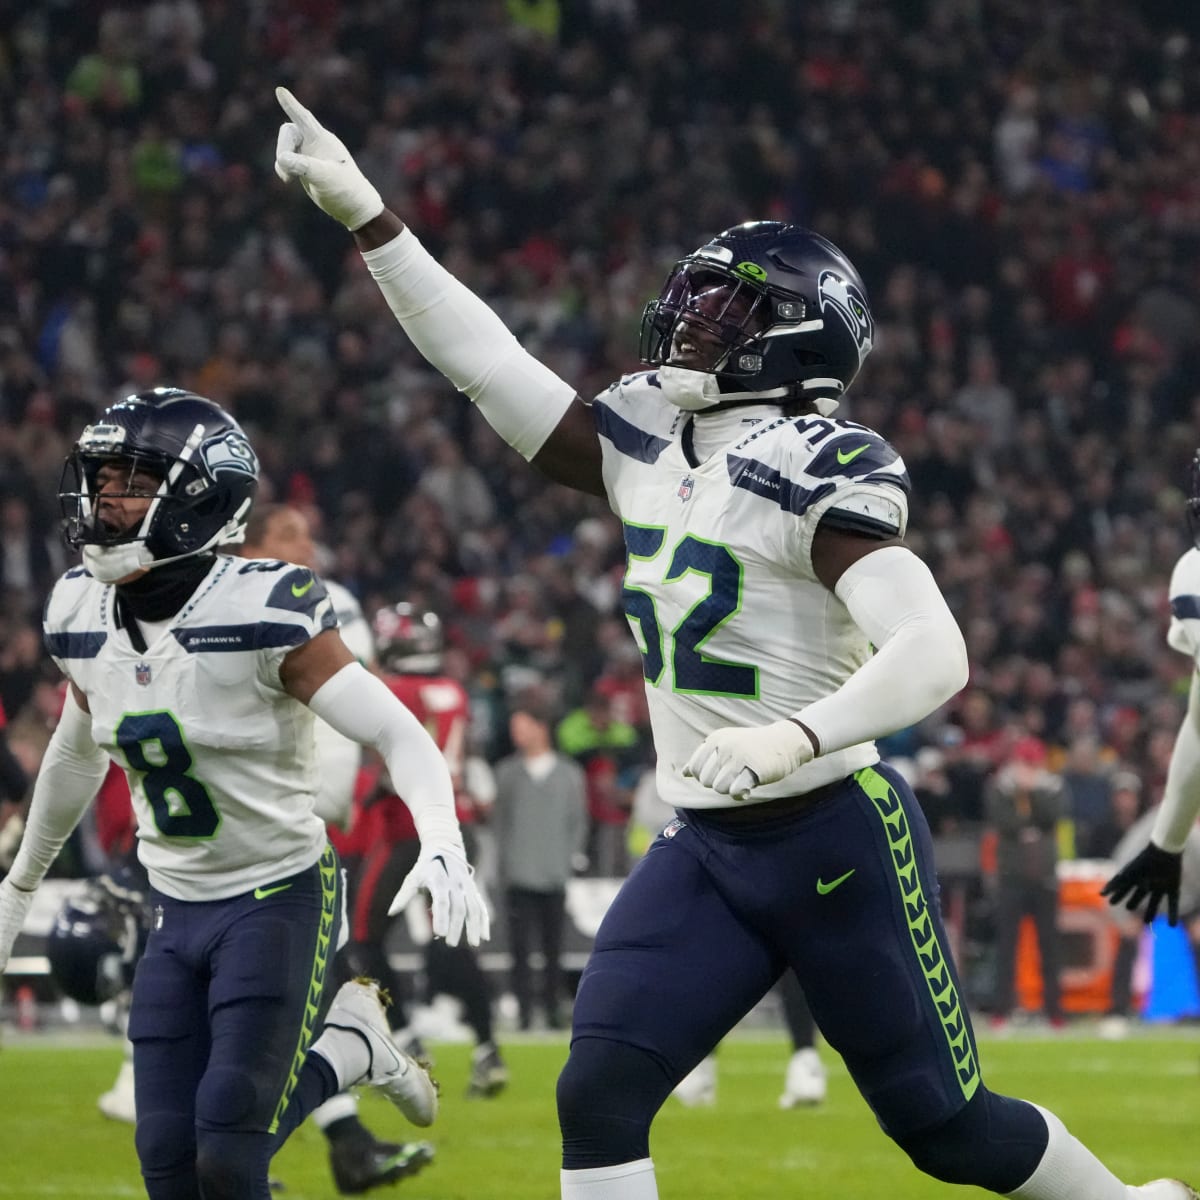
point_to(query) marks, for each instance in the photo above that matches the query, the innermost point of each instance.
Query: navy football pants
(845, 893)
(226, 1001)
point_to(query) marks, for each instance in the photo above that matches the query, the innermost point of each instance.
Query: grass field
(1136, 1102)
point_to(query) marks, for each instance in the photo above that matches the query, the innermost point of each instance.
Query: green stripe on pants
(921, 928)
(316, 985)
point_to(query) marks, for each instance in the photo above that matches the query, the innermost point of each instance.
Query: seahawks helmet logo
(851, 305)
(230, 452)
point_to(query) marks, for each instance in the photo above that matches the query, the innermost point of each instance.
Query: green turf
(1136, 1102)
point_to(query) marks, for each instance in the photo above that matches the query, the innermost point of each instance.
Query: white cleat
(117, 1103)
(1164, 1189)
(805, 1082)
(699, 1088)
(357, 1007)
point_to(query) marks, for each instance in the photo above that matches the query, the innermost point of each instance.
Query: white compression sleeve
(920, 658)
(456, 332)
(360, 706)
(72, 770)
(1181, 795)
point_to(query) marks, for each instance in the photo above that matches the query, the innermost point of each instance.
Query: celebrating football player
(358, 1159)
(199, 673)
(784, 626)
(1151, 880)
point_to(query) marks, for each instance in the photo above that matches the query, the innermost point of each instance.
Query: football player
(784, 626)
(358, 1159)
(1151, 879)
(199, 673)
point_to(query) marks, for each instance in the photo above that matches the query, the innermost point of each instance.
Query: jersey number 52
(692, 670)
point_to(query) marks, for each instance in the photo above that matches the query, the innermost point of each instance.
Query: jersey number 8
(153, 745)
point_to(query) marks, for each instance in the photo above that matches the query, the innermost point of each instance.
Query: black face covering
(159, 594)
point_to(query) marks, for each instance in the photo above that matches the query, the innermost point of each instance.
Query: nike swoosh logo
(823, 889)
(261, 893)
(299, 591)
(845, 458)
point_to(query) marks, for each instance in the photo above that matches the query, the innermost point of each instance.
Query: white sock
(336, 1108)
(1069, 1170)
(626, 1181)
(346, 1052)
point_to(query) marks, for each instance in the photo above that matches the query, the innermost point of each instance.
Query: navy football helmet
(770, 311)
(207, 469)
(408, 640)
(97, 939)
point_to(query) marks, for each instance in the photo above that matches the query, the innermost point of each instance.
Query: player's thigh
(168, 1026)
(874, 961)
(673, 969)
(270, 972)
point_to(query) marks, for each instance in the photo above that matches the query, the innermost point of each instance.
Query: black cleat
(358, 1165)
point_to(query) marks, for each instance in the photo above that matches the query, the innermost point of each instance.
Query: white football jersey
(1183, 634)
(220, 759)
(733, 624)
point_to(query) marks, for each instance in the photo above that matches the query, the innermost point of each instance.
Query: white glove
(14, 905)
(307, 151)
(456, 901)
(734, 761)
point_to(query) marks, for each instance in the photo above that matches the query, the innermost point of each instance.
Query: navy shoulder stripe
(226, 639)
(853, 456)
(1184, 608)
(216, 638)
(298, 591)
(75, 645)
(900, 481)
(763, 480)
(626, 437)
(860, 523)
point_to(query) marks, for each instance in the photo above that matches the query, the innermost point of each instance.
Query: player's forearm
(1181, 794)
(73, 768)
(920, 659)
(360, 706)
(456, 332)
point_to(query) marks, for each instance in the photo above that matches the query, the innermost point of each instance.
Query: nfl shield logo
(142, 673)
(685, 488)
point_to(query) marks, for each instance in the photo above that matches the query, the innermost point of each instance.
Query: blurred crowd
(1017, 180)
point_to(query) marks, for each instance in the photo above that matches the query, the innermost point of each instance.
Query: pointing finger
(297, 112)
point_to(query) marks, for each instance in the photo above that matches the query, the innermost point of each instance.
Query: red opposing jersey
(442, 706)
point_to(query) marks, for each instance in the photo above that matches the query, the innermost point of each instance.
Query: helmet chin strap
(695, 391)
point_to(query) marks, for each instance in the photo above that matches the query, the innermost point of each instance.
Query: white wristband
(456, 332)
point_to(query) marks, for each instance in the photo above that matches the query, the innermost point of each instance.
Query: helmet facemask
(778, 315)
